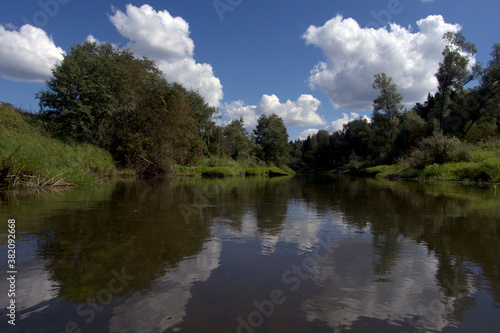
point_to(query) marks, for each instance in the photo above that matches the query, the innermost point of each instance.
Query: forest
(103, 96)
(459, 123)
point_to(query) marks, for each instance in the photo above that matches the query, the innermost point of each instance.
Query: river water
(300, 254)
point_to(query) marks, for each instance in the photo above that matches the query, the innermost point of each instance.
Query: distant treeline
(105, 96)
(431, 132)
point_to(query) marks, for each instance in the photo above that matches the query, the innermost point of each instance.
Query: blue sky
(311, 62)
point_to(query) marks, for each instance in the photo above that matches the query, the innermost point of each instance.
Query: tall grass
(40, 160)
(222, 166)
(446, 159)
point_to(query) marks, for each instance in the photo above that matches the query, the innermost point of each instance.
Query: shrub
(491, 169)
(437, 149)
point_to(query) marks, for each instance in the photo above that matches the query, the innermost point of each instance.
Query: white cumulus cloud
(338, 125)
(27, 54)
(165, 39)
(354, 54)
(308, 132)
(302, 112)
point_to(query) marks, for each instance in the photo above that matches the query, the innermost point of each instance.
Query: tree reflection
(460, 225)
(139, 231)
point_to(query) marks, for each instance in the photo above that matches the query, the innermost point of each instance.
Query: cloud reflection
(164, 306)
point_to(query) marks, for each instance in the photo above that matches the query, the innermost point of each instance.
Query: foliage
(236, 143)
(224, 166)
(40, 160)
(472, 163)
(388, 103)
(271, 138)
(379, 171)
(437, 149)
(432, 134)
(454, 72)
(103, 95)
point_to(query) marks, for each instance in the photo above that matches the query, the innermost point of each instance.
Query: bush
(379, 171)
(490, 168)
(437, 149)
(214, 161)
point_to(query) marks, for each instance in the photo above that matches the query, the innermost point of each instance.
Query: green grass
(379, 171)
(226, 167)
(45, 161)
(481, 165)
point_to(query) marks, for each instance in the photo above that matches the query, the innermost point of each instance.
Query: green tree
(357, 134)
(272, 137)
(454, 71)
(388, 103)
(322, 155)
(484, 100)
(385, 118)
(138, 135)
(205, 116)
(412, 129)
(236, 142)
(86, 89)
(104, 96)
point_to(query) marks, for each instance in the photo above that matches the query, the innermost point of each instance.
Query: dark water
(255, 255)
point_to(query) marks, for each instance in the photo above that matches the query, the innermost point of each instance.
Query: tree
(412, 129)
(104, 96)
(322, 155)
(236, 142)
(389, 100)
(357, 133)
(205, 116)
(87, 88)
(484, 101)
(386, 117)
(424, 110)
(272, 137)
(454, 71)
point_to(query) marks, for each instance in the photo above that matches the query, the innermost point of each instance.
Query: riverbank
(215, 167)
(31, 158)
(479, 164)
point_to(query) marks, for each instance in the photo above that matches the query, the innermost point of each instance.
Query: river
(284, 254)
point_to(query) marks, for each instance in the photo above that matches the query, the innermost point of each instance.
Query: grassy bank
(224, 167)
(29, 157)
(472, 163)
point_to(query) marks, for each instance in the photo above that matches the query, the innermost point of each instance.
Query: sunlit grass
(25, 149)
(222, 167)
(482, 164)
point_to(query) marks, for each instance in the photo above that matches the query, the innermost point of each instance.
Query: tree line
(428, 131)
(105, 96)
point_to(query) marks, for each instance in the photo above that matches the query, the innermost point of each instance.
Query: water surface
(295, 254)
